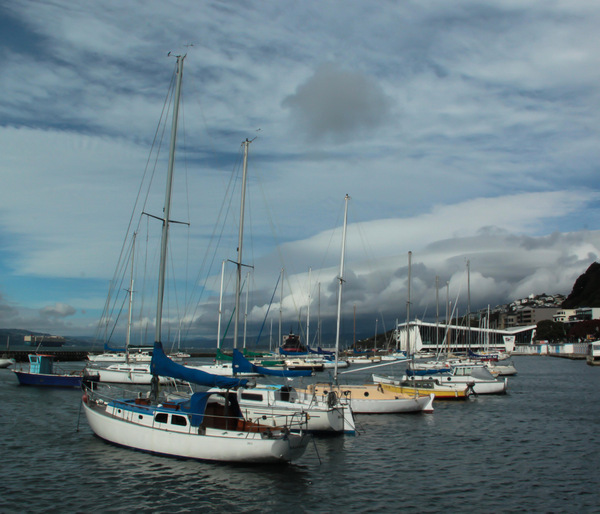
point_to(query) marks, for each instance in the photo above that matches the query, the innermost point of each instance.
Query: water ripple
(535, 449)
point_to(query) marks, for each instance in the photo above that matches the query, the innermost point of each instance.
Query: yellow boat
(422, 387)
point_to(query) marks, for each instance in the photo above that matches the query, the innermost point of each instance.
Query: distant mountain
(586, 290)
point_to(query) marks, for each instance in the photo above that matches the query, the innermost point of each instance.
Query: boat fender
(85, 398)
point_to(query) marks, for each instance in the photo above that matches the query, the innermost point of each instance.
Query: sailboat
(5, 360)
(221, 366)
(276, 403)
(366, 398)
(128, 367)
(408, 384)
(464, 373)
(204, 426)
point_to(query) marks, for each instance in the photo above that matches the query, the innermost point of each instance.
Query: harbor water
(535, 449)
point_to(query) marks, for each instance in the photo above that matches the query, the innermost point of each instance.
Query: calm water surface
(536, 449)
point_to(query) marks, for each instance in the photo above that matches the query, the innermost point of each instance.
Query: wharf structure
(45, 341)
(424, 336)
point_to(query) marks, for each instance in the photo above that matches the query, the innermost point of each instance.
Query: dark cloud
(58, 310)
(338, 104)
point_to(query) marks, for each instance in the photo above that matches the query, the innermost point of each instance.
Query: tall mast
(238, 278)
(130, 309)
(319, 315)
(437, 313)
(308, 311)
(375, 340)
(280, 341)
(354, 327)
(341, 279)
(220, 312)
(469, 304)
(408, 307)
(246, 310)
(167, 208)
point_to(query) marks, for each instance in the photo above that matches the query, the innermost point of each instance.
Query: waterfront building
(424, 336)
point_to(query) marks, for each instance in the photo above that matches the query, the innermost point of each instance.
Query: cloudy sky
(462, 131)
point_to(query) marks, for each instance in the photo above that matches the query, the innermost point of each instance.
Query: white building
(424, 336)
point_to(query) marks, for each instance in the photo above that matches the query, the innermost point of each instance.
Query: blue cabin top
(42, 364)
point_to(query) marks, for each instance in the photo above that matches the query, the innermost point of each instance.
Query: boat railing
(295, 421)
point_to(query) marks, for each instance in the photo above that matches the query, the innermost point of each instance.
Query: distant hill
(586, 290)
(15, 337)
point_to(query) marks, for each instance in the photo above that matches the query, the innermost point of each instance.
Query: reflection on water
(534, 449)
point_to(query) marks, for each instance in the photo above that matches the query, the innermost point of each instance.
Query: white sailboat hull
(400, 405)
(125, 428)
(332, 420)
(120, 357)
(127, 374)
(223, 370)
(281, 406)
(5, 363)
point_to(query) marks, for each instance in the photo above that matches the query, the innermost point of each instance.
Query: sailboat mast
(437, 313)
(220, 313)
(469, 304)
(319, 315)
(308, 311)
(280, 341)
(130, 309)
(238, 278)
(341, 279)
(246, 310)
(167, 208)
(408, 306)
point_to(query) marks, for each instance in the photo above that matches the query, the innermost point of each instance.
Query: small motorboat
(43, 372)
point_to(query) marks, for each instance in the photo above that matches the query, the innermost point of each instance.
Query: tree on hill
(583, 329)
(586, 290)
(548, 330)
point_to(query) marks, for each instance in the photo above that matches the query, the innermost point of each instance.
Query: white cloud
(461, 132)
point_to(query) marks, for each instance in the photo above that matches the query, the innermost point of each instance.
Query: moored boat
(432, 385)
(6, 362)
(370, 398)
(201, 427)
(281, 404)
(126, 373)
(198, 427)
(44, 372)
(483, 382)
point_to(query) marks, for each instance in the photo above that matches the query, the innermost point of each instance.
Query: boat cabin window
(161, 417)
(253, 397)
(178, 420)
